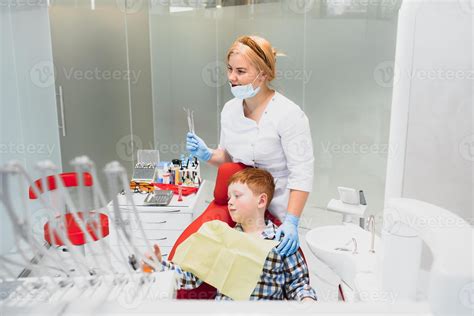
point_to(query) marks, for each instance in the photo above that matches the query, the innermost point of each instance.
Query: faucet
(371, 228)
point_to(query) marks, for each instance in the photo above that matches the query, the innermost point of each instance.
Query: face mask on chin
(245, 91)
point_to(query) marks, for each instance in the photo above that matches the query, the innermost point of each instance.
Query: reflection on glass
(331, 51)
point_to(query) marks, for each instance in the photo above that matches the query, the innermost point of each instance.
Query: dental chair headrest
(225, 171)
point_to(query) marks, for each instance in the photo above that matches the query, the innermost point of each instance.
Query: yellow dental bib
(227, 259)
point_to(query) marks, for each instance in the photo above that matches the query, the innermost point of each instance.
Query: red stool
(75, 234)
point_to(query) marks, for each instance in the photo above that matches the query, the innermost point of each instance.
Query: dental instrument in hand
(190, 118)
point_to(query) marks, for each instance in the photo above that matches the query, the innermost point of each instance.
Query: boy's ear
(262, 200)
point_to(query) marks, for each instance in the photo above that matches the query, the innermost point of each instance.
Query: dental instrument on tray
(94, 279)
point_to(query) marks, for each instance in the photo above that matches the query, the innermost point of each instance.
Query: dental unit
(106, 277)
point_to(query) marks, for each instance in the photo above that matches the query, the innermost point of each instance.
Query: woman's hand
(197, 147)
(289, 229)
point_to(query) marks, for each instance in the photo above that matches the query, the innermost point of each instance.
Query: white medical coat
(280, 143)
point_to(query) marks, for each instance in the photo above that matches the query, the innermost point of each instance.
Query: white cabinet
(162, 225)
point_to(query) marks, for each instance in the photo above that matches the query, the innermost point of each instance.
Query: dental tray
(185, 190)
(158, 198)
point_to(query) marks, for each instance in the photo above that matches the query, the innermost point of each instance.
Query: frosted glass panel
(336, 67)
(28, 115)
(101, 54)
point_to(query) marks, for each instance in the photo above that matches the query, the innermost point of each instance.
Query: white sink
(333, 245)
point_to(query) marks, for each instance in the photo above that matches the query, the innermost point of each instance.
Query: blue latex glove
(197, 147)
(289, 229)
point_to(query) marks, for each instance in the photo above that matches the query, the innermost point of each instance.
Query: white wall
(432, 109)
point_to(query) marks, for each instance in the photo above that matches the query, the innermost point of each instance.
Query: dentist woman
(262, 128)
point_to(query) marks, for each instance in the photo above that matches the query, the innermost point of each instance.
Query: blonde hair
(258, 180)
(258, 51)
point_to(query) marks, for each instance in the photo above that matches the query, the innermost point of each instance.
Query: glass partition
(107, 77)
(102, 62)
(28, 115)
(336, 64)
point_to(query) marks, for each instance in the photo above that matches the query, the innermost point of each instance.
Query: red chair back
(69, 180)
(75, 235)
(217, 210)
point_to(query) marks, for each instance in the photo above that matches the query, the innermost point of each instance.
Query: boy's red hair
(258, 180)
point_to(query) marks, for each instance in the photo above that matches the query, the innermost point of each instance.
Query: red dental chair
(75, 234)
(216, 210)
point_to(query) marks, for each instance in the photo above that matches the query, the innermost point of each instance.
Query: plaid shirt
(283, 278)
